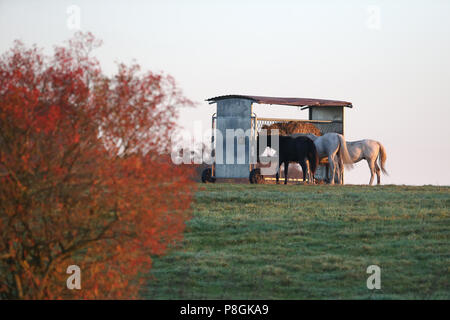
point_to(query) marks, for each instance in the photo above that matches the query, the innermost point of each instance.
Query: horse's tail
(343, 152)
(382, 158)
(313, 157)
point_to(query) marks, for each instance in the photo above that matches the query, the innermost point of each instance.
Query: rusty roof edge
(298, 102)
(229, 96)
(350, 105)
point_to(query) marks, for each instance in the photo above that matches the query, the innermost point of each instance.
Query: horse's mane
(291, 127)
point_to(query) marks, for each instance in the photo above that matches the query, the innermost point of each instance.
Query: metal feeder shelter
(235, 112)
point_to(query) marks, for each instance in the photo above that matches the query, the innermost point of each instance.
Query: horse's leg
(372, 171)
(286, 167)
(337, 169)
(327, 173)
(277, 175)
(341, 171)
(304, 169)
(332, 168)
(377, 170)
(310, 174)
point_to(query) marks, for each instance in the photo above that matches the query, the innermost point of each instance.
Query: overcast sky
(391, 59)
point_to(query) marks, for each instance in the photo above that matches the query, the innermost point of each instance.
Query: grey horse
(333, 146)
(370, 150)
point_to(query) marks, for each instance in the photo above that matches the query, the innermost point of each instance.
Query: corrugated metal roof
(299, 102)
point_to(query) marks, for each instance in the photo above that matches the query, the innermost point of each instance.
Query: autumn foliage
(84, 176)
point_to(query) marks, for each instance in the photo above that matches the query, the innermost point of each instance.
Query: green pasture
(309, 242)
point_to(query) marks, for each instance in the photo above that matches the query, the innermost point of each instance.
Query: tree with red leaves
(84, 174)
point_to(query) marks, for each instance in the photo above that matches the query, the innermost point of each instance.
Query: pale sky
(391, 59)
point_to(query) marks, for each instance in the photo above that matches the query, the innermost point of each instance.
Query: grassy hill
(309, 242)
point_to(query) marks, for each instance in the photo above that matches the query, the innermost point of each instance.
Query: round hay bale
(291, 127)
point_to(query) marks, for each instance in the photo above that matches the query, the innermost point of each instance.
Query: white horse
(333, 146)
(369, 150)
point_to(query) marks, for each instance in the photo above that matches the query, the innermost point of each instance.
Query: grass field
(309, 242)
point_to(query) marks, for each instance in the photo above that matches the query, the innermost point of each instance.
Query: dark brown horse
(294, 149)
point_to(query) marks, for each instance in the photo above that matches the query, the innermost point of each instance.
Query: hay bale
(291, 127)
